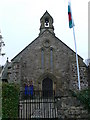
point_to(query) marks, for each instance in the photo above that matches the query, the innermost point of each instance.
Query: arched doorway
(47, 87)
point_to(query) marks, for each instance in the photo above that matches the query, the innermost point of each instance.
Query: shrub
(84, 97)
(10, 99)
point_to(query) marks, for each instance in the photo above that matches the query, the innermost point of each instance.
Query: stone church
(48, 65)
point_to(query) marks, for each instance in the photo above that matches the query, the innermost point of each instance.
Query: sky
(20, 23)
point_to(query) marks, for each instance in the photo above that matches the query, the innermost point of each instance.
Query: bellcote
(46, 23)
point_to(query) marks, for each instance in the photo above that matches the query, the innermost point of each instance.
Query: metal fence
(37, 106)
(37, 94)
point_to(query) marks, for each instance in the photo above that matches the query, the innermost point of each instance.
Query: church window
(42, 58)
(29, 90)
(46, 22)
(51, 58)
(47, 43)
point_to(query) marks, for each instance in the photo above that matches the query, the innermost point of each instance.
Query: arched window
(42, 58)
(51, 58)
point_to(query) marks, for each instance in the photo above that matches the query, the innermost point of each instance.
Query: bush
(84, 97)
(10, 99)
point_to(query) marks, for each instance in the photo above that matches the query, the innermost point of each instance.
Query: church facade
(50, 66)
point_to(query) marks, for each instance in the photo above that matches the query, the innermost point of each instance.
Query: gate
(37, 107)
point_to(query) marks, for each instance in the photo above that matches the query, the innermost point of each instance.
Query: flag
(71, 23)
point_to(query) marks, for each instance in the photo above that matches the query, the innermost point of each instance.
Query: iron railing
(36, 94)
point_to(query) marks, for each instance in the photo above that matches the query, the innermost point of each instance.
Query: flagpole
(69, 10)
(76, 59)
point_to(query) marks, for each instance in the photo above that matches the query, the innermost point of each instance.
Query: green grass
(10, 99)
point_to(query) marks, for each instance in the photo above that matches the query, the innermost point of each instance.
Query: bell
(46, 23)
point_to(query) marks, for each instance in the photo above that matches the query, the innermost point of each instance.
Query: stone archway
(47, 87)
(46, 79)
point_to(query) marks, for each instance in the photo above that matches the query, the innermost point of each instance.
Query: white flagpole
(75, 50)
(76, 59)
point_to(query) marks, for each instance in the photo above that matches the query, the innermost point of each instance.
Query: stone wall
(63, 63)
(47, 56)
(70, 108)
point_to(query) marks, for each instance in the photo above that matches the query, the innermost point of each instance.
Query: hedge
(10, 100)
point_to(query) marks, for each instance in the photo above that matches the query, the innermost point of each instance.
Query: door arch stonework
(47, 75)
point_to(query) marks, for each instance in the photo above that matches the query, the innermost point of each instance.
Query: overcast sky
(20, 23)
